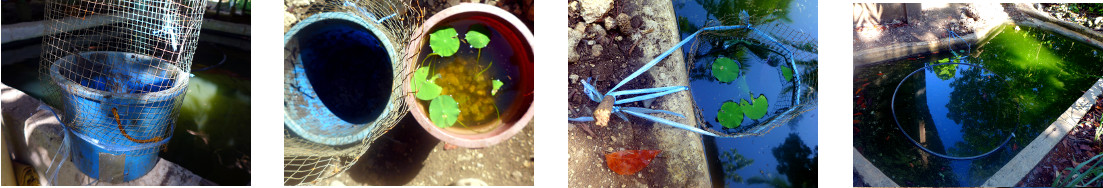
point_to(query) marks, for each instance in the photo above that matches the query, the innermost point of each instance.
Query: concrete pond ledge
(871, 174)
(1025, 161)
(34, 135)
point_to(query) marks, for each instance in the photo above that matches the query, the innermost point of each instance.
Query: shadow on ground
(396, 157)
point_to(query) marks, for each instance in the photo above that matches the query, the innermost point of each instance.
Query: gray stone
(592, 10)
(625, 23)
(596, 50)
(574, 78)
(573, 36)
(610, 23)
(597, 31)
(470, 182)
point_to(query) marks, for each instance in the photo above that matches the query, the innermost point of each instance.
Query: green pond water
(1029, 78)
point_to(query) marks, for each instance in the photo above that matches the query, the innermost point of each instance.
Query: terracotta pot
(518, 36)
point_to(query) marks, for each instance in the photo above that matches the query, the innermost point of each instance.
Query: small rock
(573, 36)
(528, 163)
(470, 182)
(516, 174)
(618, 38)
(596, 50)
(610, 23)
(574, 78)
(299, 3)
(625, 22)
(609, 149)
(289, 19)
(589, 137)
(480, 156)
(572, 7)
(590, 42)
(597, 31)
(592, 10)
(614, 138)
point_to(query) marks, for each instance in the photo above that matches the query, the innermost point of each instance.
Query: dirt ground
(930, 25)
(608, 49)
(1078, 146)
(407, 155)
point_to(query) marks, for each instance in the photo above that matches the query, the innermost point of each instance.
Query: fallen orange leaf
(630, 161)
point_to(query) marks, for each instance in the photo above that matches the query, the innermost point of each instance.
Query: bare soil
(607, 55)
(1078, 146)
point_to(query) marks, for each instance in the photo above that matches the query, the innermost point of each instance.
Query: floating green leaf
(497, 84)
(478, 36)
(758, 109)
(725, 69)
(424, 89)
(444, 42)
(944, 60)
(444, 111)
(787, 72)
(730, 115)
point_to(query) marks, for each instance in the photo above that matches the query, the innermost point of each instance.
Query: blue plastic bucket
(145, 108)
(339, 78)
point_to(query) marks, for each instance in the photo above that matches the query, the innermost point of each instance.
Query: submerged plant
(443, 109)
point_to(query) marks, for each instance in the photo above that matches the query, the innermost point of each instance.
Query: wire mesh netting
(314, 149)
(120, 69)
(779, 46)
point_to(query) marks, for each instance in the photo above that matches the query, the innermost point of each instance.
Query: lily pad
(444, 111)
(725, 69)
(787, 72)
(758, 109)
(478, 36)
(444, 42)
(730, 115)
(497, 84)
(424, 89)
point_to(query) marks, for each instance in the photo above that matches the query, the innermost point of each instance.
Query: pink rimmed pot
(518, 36)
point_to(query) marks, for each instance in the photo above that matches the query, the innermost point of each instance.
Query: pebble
(590, 42)
(597, 31)
(596, 51)
(480, 156)
(572, 7)
(625, 22)
(618, 38)
(470, 182)
(516, 174)
(610, 23)
(574, 78)
(592, 10)
(614, 138)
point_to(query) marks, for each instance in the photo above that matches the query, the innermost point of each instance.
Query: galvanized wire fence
(120, 69)
(307, 161)
(782, 46)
